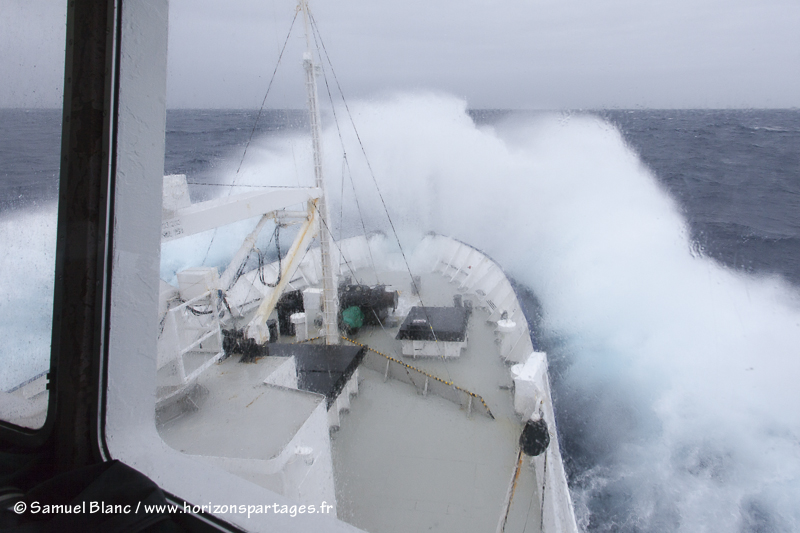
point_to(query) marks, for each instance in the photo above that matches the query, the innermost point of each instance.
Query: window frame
(78, 293)
(129, 274)
(103, 354)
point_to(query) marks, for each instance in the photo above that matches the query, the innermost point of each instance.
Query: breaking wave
(28, 241)
(674, 376)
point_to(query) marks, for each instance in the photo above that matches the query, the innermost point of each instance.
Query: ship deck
(406, 457)
(406, 461)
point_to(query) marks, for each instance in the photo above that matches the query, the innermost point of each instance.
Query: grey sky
(32, 43)
(505, 54)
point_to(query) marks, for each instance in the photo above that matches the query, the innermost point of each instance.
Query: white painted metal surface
(529, 386)
(176, 195)
(257, 327)
(206, 476)
(298, 320)
(446, 349)
(196, 281)
(505, 333)
(130, 428)
(285, 375)
(227, 278)
(204, 216)
(330, 303)
(276, 437)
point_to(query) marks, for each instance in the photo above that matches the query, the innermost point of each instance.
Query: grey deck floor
(234, 411)
(405, 462)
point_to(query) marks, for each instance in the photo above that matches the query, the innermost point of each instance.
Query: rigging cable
(530, 502)
(341, 197)
(544, 486)
(336, 244)
(255, 124)
(264, 101)
(345, 161)
(361, 217)
(377, 188)
(363, 150)
(244, 265)
(245, 185)
(224, 299)
(277, 236)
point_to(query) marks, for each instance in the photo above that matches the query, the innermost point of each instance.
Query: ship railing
(190, 342)
(424, 382)
(476, 273)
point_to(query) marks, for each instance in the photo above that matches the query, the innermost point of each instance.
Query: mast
(330, 304)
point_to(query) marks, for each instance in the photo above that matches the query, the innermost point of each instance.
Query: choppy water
(662, 247)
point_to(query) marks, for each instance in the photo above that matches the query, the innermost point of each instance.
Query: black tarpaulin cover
(447, 324)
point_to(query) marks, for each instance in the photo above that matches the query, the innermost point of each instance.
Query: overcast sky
(495, 54)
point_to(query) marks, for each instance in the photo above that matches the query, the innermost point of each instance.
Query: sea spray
(675, 391)
(674, 377)
(28, 240)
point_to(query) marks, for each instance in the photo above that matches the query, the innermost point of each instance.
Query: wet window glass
(341, 352)
(32, 37)
(652, 239)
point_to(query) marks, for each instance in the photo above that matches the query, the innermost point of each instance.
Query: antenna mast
(330, 304)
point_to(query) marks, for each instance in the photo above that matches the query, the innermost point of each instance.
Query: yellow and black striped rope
(415, 369)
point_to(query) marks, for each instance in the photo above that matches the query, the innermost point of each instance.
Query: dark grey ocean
(736, 174)
(735, 177)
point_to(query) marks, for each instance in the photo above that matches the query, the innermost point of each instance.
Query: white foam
(27, 271)
(687, 370)
(681, 372)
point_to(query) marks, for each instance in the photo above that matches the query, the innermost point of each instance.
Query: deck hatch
(320, 368)
(447, 324)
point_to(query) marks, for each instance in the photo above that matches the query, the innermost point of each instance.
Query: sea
(657, 253)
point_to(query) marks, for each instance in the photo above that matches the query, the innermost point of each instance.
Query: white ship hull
(415, 442)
